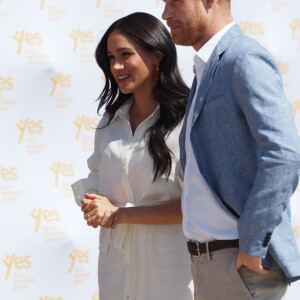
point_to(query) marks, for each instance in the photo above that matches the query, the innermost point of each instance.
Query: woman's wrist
(120, 215)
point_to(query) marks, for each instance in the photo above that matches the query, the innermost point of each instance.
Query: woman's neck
(143, 106)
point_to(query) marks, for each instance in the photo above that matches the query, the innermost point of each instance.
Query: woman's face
(131, 66)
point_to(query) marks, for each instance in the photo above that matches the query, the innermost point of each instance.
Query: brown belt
(196, 248)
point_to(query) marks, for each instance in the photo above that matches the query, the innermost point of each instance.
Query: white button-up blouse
(138, 261)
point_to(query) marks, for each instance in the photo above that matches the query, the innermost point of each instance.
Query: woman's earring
(155, 74)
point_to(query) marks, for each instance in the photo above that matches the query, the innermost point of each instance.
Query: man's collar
(205, 52)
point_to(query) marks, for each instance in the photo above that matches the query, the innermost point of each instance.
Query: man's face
(188, 21)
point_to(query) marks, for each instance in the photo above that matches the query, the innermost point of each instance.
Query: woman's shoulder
(104, 121)
(101, 127)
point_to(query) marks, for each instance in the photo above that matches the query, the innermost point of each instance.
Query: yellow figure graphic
(95, 297)
(296, 111)
(295, 25)
(98, 3)
(42, 4)
(296, 107)
(296, 231)
(283, 67)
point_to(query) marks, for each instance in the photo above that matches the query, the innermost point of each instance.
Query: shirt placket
(186, 190)
(130, 143)
(198, 70)
(126, 157)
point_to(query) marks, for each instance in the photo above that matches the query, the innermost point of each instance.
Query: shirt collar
(202, 56)
(123, 111)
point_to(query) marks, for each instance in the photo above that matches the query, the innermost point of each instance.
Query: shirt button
(127, 297)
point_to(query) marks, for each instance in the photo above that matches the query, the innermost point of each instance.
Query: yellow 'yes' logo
(60, 80)
(86, 123)
(18, 262)
(8, 173)
(23, 37)
(39, 214)
(78, 256)
(296, 107)
(296, 231)
(283, 67)
(95, 296)
(27, 125)
(295, 25)
(252, 28)
(6, 83)
(65, 170)
(81, 36)
(98, 3)
(42, 4)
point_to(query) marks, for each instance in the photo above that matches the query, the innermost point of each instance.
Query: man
(240, 156)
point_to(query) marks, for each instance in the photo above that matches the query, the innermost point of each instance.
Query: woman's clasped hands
(99, 211)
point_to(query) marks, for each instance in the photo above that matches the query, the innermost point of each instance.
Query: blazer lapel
(183, 130)
(204, 86)
(190, 100)
(211, 68)
(206, 80)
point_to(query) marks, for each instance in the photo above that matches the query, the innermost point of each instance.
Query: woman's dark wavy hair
(169, 91)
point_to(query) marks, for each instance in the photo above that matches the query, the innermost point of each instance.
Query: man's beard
(191, 33)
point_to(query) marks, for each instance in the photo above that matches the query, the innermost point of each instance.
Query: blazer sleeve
(258, 91)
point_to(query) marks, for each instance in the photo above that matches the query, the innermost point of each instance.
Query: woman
(134, 190)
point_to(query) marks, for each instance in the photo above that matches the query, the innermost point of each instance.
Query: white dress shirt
(203, 217)
(138, 261)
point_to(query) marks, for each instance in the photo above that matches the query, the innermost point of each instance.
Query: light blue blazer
(247, 147)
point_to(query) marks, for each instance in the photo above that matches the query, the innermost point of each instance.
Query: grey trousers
(216, 278)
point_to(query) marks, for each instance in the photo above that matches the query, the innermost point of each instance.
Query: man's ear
(209, 3)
